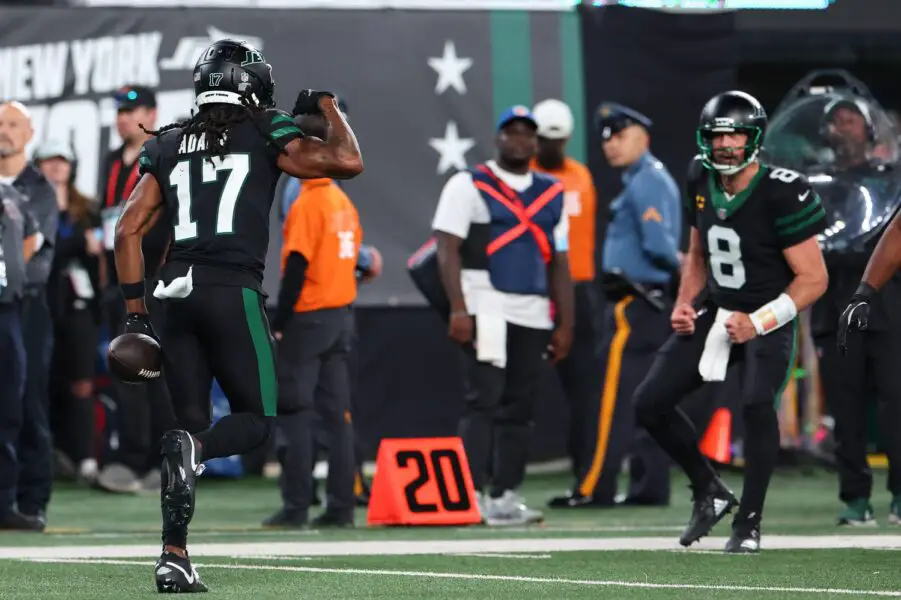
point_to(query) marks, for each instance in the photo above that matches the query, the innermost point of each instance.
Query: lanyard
(114, 179)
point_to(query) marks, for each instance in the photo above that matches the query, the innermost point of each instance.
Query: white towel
(491, 329)
(717, 346)
(180, 287)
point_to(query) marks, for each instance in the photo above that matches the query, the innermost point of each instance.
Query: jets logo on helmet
(242, 76)
(731, 112)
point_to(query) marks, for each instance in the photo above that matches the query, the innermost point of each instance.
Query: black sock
(676, 435)
(173, 534)
(761, 452)
(237, 433)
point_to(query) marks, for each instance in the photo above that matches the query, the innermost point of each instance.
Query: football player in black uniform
(753, 248)
(213, 177)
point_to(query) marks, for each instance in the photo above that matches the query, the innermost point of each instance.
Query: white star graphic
(452, 149)
(450, 69)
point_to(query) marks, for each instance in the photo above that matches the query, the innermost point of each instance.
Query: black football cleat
(710, 506)
(181, 467)
(176, 575)
(745, 538)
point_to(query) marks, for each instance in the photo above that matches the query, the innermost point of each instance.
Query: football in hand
(134, 358)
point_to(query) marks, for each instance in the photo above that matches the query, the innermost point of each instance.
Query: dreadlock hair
(214, 120)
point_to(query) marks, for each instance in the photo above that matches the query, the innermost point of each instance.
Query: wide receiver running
(213, 176)
(753, 247)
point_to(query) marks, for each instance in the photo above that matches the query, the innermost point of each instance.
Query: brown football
(134, 358)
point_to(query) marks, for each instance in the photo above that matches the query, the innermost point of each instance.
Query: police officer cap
(612, 118)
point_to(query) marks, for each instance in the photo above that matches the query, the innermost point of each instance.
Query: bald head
(15, 129)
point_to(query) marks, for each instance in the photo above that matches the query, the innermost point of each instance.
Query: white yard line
(498, 555)
(408, 547)
(475, 531)
(518, 579)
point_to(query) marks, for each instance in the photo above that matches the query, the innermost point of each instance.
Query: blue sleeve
(364, 257)
(657, 206)
(289, 195)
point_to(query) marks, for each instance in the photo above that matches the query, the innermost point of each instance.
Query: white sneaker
(87, 470)
(119, 479)
(510, 510)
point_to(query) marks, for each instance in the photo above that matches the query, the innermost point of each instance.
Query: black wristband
(132, 291)
(864, 291)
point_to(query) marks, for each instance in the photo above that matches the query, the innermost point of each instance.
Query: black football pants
(580, 372)
(313, 380)
(764, 368)
(870, 368)
(633, 333)
(496, 425)
(220, 332)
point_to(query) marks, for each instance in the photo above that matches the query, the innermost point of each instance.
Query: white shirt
(460, 205)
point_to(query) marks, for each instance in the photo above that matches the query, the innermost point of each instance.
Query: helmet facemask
(751, 147)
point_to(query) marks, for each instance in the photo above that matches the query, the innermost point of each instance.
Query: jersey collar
(722, 206)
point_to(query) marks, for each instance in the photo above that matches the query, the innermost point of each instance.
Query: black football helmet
(731, 112)
(229, 70)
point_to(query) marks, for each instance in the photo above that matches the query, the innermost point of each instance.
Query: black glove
(856, 315)
(140, 323)
(307, 102)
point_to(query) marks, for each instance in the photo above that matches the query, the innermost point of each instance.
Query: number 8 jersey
(219, 207)
(743, 236)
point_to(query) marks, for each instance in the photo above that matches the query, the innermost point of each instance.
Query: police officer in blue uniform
(640, 259)
(17, 243)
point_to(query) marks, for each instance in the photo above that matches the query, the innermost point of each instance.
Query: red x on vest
(514, 204)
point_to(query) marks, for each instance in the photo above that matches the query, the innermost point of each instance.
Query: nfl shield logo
(721, 213)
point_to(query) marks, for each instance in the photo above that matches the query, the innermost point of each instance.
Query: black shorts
(218, 332)
(763, 366)
(75, 347)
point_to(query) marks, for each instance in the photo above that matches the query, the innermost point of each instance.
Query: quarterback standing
(753, 250)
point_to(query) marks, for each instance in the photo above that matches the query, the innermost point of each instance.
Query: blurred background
(425, 82)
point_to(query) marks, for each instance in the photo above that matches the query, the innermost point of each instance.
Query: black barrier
(664, 65)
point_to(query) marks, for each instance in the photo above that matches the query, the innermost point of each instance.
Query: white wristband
(773, 315)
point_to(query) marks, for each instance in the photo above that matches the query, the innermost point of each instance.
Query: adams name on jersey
(219, 206)
(744, 236)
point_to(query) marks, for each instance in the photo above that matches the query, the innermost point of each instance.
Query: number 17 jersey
(744, 236)
(219, 206)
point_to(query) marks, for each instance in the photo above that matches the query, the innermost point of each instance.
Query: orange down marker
(422, 481)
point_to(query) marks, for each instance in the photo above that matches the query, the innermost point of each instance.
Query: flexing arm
(694, 271)
(450, 267)
(338, 157)
(142, 210)
(811, 277)
(886, 258)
